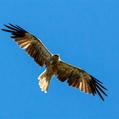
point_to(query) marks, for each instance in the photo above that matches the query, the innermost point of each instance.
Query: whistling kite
(74, 76)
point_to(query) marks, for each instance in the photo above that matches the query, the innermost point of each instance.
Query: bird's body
(45, 77)
(75, 77)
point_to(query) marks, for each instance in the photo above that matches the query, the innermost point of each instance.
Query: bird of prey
(75, 77)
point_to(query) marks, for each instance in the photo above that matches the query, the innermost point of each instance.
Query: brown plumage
(74, 76)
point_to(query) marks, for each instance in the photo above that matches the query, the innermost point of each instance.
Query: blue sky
(85, 33)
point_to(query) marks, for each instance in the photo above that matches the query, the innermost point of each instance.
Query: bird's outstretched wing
(78, 78)
(30, 43)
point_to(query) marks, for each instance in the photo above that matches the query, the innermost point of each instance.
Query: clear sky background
(85, 33)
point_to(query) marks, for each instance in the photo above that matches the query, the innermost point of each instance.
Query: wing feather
(78, 78)
(33, 46)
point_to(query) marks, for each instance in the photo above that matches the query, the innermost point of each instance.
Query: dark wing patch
(30, 43)
(80, 79)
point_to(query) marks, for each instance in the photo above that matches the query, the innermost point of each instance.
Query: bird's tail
(44, 81)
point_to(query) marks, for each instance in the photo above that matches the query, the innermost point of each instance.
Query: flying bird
(75, 77)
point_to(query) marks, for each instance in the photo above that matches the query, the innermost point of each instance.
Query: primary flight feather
(74, 76)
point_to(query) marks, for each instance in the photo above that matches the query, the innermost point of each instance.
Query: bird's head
(55, 59)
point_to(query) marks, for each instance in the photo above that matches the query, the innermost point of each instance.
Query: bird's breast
(51, 69)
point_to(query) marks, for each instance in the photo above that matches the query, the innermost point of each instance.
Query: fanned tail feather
(44, 81)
